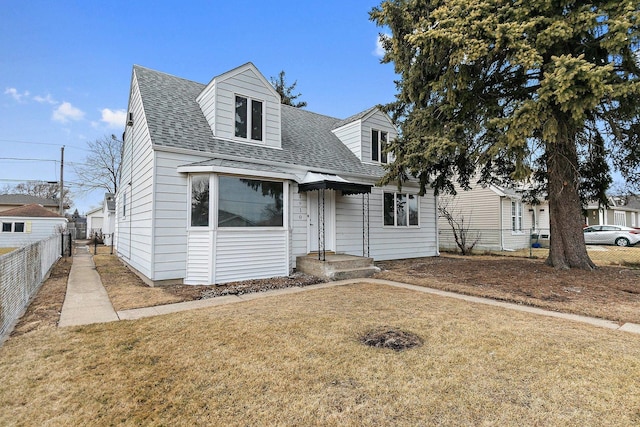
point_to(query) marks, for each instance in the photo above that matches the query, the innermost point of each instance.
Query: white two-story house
(221, 182)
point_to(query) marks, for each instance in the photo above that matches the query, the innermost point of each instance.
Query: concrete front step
(355, 273)
(336, 266)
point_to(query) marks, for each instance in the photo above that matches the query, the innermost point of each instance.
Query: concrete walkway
(87, 301)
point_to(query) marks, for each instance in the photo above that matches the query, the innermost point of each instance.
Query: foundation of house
(336, 266)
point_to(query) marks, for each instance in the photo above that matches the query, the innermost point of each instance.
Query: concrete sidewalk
(86, 300)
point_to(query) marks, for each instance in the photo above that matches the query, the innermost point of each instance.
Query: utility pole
(62, 180)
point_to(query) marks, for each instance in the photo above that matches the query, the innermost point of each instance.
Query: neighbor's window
(6, 227)
(250, 203)
(18, 227)
(200, 201)
(246, 122)
(516, 215)
(124, 205)
(378, 145)
(400, 210)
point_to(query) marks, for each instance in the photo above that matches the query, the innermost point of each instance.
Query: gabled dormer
(241, 105)
(366, 134)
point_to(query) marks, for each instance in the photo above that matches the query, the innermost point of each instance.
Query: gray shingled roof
(111, 201)
(353, 118)
(175, 120)
(25, 199)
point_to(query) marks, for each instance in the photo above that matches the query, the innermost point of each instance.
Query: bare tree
(101, 168)
(465, 238)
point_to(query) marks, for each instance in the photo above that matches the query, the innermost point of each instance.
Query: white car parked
(611, 235)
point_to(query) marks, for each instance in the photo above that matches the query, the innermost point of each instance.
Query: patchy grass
(609, 292)
(126, 290)
(6, 250)
(601, 255)
(44, 310)
(298, 360)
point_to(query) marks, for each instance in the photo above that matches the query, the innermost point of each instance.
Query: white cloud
(13, 92)
(66, 112)
(45, 99)
(379, 50)
(114, 118)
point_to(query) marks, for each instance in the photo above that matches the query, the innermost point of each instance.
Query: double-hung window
(248, 118)
(378, 145)
(516, 216)
(400, 210)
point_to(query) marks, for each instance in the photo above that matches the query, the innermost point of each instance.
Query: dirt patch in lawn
(127, 291)
(609, 292)
(44, 310)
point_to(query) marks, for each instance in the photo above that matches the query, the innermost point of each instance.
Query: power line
(43, 143)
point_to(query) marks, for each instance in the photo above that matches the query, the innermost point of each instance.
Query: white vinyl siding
(513, 240)
(199, 255)
(351, 136)
(480, 210)
(380, 122)
(172, 205)
(207, 102)
(385, 243)
(134, 240)
(250, 254)
(35, 229)
(298, 209)
(218, 104)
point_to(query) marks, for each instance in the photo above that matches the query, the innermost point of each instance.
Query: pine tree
(286, 92)
(545, 91)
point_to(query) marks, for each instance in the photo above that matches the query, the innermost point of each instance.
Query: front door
(329, 219)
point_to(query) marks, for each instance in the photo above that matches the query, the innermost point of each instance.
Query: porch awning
(320, 181)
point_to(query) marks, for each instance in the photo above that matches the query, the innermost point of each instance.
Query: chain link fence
(533, 243)
(22, 272)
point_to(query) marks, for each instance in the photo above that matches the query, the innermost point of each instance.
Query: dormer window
(248, 118)
(378, 145)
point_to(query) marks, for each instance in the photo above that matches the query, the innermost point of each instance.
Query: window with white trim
(516, 216)
(379, 141)
(400, 209)
(248, 118)
(200, 201)
(619, 218)
(244, 202)
(13, 227)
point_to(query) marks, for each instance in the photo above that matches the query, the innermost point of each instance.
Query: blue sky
(65, 66)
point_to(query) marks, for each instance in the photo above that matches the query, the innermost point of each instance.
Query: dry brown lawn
(6, 250)
(611, 293)
(298, 360)
(127, 291)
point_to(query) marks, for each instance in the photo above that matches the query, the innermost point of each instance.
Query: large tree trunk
(567, 247)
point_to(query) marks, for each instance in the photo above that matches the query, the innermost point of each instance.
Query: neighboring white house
(28, 224)
(95, 220)
(622, 210)
(109, 217)
(497, 217)
(221, 182)
(103, 219)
